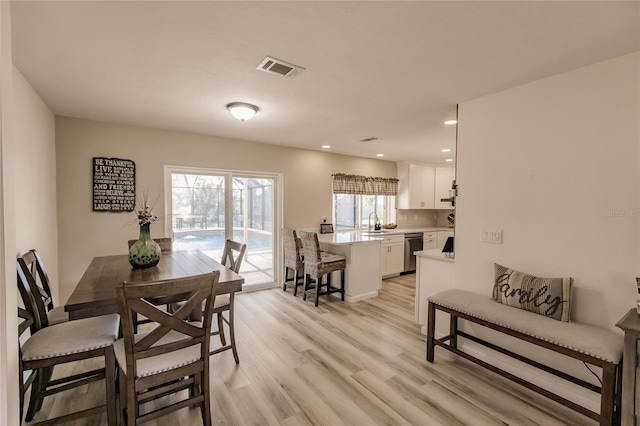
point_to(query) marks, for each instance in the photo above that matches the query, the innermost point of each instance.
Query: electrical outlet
(494, 236)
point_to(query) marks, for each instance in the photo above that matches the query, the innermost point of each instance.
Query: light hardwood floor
(345, 364)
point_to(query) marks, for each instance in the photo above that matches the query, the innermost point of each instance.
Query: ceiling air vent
(369, 139)
(276, 66)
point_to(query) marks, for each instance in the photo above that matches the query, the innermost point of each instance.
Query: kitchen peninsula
(363, 252)
(362, 274)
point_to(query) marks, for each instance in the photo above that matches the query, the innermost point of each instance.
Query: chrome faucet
(376, 215)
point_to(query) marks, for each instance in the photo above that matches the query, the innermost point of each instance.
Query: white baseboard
(257, 287)
(570, 391)
(359, 297)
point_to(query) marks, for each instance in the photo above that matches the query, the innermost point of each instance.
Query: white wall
(36, 213)
(9, 405)
(28, 206)
(549, 163)
(84, 234)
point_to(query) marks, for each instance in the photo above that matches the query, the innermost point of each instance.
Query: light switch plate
(491, 236)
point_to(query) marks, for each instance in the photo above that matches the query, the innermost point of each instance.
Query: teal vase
(145, 252)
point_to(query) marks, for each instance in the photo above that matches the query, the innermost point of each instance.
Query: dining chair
(25, 322)
(171, 357)
(318, 264)
(54, 345)
(232, 257)
(33, 268)
(292, 260)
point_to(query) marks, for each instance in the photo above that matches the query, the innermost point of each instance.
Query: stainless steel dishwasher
(412, 242)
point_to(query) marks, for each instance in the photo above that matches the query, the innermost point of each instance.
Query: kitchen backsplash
(422, 218)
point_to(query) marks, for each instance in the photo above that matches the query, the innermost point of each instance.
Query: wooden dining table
(95, 293)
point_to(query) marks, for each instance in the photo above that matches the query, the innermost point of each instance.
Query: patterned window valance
(363, 185)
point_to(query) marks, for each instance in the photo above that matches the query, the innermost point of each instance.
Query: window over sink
(353, 211)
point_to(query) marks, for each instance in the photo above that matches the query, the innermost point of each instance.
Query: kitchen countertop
(436, 254)
(348, 238)
(361, 236)
(408, 230)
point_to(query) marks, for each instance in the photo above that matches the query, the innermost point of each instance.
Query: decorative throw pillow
(550, 297)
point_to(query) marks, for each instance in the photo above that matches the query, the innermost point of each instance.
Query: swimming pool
(215, 239)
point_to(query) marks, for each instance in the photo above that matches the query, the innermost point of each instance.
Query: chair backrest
(137, 299)
(166, 244)
(25, 322)
(310, 246)
(233, 254)
(31, 263)
(31, 299)
(292, 248)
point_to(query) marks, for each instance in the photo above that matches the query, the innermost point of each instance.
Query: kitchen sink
(374, 232)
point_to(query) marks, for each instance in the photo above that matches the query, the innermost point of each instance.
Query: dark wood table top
(95, 294)
(630, 322)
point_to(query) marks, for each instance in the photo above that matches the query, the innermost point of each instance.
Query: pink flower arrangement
(146, 216)
(144, 213)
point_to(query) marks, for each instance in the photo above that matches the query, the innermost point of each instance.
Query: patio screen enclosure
(206, 209)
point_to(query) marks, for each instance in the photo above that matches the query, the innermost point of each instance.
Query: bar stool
(292, 260)
(318, 264)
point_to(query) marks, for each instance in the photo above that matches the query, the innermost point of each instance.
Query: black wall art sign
(114, 185)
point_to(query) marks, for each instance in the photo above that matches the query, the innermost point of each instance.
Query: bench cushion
(594, 341)
(550, 297)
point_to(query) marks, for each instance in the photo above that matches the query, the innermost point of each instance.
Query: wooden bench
(593, 345)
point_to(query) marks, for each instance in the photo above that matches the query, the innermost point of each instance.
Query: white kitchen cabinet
(430, 240)
(442, 238)
(392, 255)
(416, 187)
(444, 179)
(435, 273)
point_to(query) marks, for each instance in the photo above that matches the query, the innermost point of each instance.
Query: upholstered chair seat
(160, 363)
(72, 337)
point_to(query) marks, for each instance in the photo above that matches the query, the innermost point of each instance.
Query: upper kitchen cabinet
(444, 179)
(416, 189)
(422, 187)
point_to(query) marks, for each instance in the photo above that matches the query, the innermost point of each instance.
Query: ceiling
(392, 70)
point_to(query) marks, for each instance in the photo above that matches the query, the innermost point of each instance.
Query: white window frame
(388, 211)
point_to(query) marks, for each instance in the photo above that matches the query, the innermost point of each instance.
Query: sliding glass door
(207, 207)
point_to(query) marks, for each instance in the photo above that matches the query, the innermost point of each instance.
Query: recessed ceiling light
(449, 160)
(450, 122)
(446, 150)
(379, 155)
(326, 146)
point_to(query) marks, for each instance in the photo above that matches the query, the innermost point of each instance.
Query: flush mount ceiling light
(379, 155)
(446, 149)
(451, 122)
(242, 111)
(326, 146)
